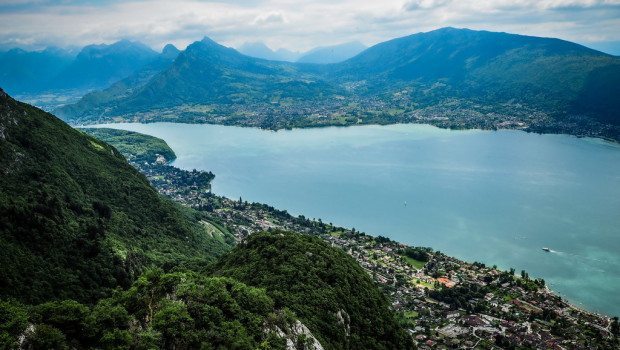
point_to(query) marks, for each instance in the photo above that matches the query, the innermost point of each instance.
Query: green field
(415, 263)
(423, 284)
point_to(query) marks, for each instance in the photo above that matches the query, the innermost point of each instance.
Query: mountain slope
(76, 220)
(332, 54)
(180, 310)
(326, 288)
(550, 74)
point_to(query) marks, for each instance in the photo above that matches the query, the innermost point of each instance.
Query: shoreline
(607, 140)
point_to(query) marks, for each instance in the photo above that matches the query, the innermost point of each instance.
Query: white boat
(546, 249)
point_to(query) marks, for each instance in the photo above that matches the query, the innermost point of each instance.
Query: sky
(297, 25)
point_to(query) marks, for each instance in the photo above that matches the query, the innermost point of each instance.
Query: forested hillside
(134, 146)
(324, 286)
(76, 220)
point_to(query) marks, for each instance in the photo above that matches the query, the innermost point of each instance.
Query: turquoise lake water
(496, 197)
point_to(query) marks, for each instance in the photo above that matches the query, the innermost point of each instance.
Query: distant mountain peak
(333, 53)
(255, 45)
(208, 40)
(259, 49)
(170, 51)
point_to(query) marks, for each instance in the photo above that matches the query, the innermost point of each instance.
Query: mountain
(76, 220)
(170, 52)
(329, 292)
(98, 66)
(260, 50)
(323, 54)
(553, 75)
(124, 87)
(209, 73)
(26, 71)
(332, 54)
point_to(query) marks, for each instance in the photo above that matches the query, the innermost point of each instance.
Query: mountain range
(26, 71)
(260, 50)
(552, 75)
(555, 85)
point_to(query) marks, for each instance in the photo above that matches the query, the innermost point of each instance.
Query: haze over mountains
(94, 67)
(322, 54)
(260, 50)
(332, 54)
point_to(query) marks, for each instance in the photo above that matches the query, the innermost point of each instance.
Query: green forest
(134, 146)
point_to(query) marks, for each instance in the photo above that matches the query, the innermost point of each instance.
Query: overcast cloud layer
(297, 25)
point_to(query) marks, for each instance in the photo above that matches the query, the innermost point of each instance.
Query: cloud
(424, 4)
(269, 18)
(296, 25)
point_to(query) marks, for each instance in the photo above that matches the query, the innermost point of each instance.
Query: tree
(68, 316)
(13, 321)
(46, 337)
(174, 323)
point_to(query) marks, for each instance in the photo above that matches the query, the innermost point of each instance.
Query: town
(450, 113)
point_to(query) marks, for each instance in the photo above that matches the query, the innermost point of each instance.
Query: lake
(495, 197)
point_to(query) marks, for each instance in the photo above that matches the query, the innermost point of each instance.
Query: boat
(546, 249)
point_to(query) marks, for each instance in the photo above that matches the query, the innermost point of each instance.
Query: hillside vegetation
(302, 294)
(324, 286)
(132, 145)
(76, 220)
(165, 311)
(553, 75)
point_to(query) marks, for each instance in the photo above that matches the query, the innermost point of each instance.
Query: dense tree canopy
(326, 288)
(167, 311)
